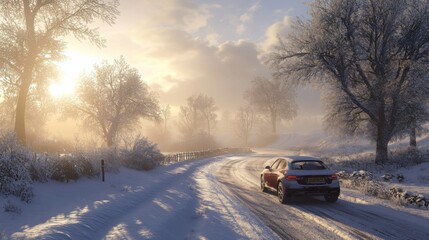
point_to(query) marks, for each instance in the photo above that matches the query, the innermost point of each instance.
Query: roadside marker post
(102, 170)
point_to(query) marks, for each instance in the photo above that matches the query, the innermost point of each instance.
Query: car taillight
(333, 177)
(292, 178)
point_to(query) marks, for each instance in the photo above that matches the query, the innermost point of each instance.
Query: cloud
(223, 71)
(277, 29)
(213, 38)
(246, 18)
(178, 63)
(179, 14)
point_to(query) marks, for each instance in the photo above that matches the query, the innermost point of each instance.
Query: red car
(300, 176)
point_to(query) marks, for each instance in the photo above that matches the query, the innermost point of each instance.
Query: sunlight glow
(70, 71)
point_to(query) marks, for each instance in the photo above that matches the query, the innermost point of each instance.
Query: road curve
(313, 218)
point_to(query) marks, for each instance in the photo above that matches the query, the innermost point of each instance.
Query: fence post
(102, 170)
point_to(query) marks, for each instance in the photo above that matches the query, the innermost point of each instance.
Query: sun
(70, 71)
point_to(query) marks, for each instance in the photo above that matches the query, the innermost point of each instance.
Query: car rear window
(307, 165)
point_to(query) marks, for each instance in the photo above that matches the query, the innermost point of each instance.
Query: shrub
(143, 156)
(83, 164)
(64, 169)
(14, 176)
(40, 168)
(109, 155)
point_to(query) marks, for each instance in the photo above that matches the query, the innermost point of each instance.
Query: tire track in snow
(343, 219)
(245, 177)
(215, 197)
(236, 177)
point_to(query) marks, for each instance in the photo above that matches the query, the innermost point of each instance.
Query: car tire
(281, 194)
(263, 187)
(331, 198)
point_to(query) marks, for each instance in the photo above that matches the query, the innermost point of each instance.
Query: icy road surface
(313, 218)
(216, 198)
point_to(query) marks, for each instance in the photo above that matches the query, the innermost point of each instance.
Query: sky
(186, 47)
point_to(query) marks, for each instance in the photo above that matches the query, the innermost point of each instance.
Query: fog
(307, 121)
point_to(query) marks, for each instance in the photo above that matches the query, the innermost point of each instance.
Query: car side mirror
(267, 167)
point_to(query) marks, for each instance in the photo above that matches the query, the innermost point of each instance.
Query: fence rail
(184, 156)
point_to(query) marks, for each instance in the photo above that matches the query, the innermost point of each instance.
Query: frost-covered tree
(199, 113)
(111, 99)
(367, 53)
(196, 122)
(207, 108)
(243, 124)
(274, 98)
(30, 37)
(414, 110)
(189, 119)
(39, 106)
(165, 112)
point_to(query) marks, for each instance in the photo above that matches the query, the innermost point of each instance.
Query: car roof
(300, 158)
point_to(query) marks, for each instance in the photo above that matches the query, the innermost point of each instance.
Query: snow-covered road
(216, 198)
(313, 218)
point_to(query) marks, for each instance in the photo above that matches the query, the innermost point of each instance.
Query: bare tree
(365, 51)
(207, 107)
(165, 113)
(274, 98)
(244, 121)
(189, 119)
(200, 111)
(196, 122)
(113, 99)
(30, 37)
(39, 104)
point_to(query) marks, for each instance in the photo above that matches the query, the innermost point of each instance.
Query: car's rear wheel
(263, 187)
(281, 194)
(331, 198)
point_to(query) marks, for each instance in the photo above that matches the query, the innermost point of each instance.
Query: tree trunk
(111, 135)
(273, 123)
(20, 110)
(109, 141)
(27, 75)
(413, 141)
(208, 127)
(382, 137)
(381, 152)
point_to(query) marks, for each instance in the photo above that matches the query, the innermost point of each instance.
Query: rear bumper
(312, 191)
(293, 188)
